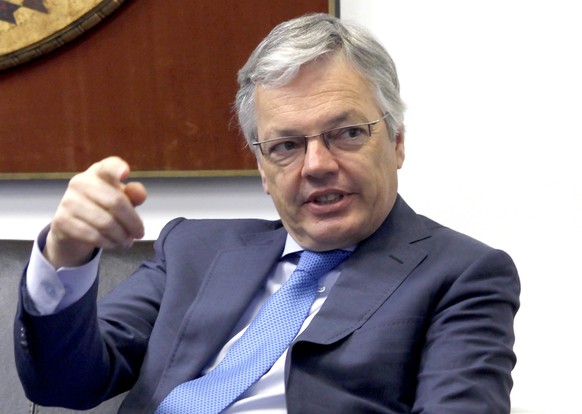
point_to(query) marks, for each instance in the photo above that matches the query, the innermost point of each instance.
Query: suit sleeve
(468, 356)
(76, 358)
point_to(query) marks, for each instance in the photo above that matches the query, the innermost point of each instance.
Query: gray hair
(291, 44)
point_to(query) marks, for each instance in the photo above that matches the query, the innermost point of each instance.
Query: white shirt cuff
(52, 290)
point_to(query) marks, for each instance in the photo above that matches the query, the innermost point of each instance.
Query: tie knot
(319, 263)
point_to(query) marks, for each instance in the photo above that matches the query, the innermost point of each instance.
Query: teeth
(329, 198)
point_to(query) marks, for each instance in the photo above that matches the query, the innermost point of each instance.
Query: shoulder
(447, 237)
(458, 255)
(406, 226)
(221, 231)
(182, 224)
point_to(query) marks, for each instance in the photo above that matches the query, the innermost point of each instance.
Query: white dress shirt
(52, 290)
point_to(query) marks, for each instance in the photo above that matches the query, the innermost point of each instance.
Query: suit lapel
(369, 277)
(231, 283)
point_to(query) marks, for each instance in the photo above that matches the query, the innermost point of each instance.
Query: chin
(333, 239)
(329, 233)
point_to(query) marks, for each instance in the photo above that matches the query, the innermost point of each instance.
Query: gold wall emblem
(31, 28)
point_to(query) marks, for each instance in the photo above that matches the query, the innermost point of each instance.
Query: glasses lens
(350, 137)
(284, 149)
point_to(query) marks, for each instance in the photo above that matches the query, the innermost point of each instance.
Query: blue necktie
(267, 337)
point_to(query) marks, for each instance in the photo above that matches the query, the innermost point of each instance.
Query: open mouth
(328, 199)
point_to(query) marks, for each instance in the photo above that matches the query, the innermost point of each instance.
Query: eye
(284, 146)
(346, 134)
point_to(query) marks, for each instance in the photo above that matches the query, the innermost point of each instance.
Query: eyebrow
(331, 123)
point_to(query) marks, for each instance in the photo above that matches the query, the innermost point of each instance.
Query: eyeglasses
(285, 150)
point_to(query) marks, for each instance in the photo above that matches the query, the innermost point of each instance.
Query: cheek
(265, 185)
(269, 179)
(278, 186)
(381, 177)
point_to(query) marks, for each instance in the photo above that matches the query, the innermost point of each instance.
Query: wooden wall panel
(153, 83)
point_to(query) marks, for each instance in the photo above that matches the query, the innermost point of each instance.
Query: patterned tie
(262, 344)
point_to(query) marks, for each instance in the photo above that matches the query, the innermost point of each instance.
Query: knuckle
(116, 202)
(104, 223)
(77, 180)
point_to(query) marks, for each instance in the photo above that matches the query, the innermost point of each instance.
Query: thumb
(112, 170)
(136, 192)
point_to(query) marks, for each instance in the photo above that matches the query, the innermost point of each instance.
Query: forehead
(322, 91)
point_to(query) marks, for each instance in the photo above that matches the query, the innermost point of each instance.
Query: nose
(318, 160)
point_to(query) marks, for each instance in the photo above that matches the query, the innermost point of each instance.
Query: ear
(400, 153)
(263, 178)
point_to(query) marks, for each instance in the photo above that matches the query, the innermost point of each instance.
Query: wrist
(61, 252)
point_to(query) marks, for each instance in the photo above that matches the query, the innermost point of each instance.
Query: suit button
(23, 340)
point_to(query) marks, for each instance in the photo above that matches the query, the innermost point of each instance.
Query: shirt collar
(291, 246)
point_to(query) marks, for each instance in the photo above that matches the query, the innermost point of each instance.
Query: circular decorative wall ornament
(32, 28)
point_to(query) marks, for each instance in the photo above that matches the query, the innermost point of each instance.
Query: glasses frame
(324, 135)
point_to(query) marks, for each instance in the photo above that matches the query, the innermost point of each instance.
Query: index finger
(112, 197)
(112, 170)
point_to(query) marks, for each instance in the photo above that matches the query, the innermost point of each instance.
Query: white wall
(494, 149)
(27, 206)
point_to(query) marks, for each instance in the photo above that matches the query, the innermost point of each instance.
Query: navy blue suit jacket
(420, 320)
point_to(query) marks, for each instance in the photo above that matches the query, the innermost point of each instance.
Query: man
(418, 319)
